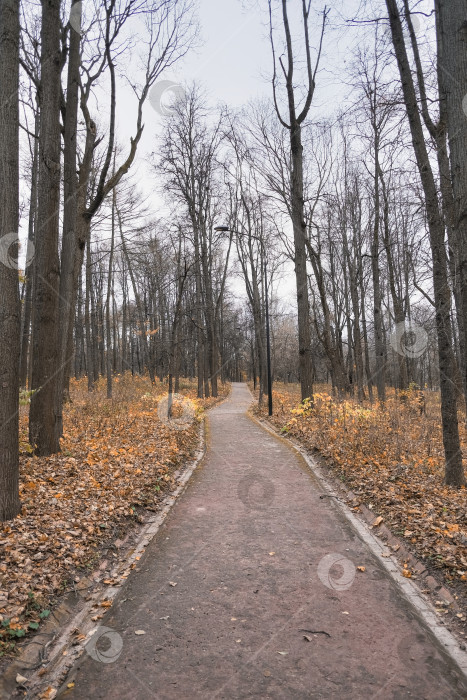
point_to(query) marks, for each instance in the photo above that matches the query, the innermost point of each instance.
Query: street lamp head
(224, 229)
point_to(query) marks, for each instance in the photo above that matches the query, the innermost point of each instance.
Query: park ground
(118, 460)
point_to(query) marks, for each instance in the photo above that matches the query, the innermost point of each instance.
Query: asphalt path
(251, 589)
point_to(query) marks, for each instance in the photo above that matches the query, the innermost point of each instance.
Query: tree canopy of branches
(362, 205)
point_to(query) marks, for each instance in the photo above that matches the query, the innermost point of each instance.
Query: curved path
(268, 602)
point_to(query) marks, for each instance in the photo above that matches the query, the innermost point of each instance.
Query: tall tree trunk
(451, 20)
(67, 297)
(26, 322)
(43, 434)
(297, 208)
(399, 312)
(87, 320)
(301, 275)
(9, 293)
(198, 318)
(379, 374)
(107, 301)
(454, 472)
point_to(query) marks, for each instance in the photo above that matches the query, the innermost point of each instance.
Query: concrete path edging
(407, 588)
(61, 652)
(255, 586)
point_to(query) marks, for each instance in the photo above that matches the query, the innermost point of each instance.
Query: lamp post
(226, 229)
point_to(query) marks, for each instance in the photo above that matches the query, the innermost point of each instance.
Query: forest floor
(118, 459)
(256, 585)
(391, 457)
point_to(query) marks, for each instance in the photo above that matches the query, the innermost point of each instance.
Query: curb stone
(53, 650)
(451, 645)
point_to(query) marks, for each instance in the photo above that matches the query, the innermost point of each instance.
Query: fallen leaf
(378, 521)
(361, 568)
(140, 632)
(49, 693)
(21, 679)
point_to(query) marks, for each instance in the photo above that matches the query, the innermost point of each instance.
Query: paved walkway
(267, 601)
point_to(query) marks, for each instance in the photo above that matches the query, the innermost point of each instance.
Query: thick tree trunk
(301, 275)
(454, 473)
(43, 433)
(452, 78)
(9, 294)
(67, 297)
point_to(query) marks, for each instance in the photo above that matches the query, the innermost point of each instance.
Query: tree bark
(43, 434)
(451, 19)
(301, 275)
(297, 207)
(68, 282)
(25, 359)
(9, 293)
(454, 472)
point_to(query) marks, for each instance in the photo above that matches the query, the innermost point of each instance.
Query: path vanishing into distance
(250, 589)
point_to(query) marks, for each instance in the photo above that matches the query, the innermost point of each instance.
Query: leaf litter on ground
(117, 458)
(391, 456)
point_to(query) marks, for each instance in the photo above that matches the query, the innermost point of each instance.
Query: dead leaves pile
(116, 456)
(391, 456)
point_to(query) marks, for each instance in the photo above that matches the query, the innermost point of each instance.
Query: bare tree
(454, 472)
(43, 434)
(452, 80)
(294, 126)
